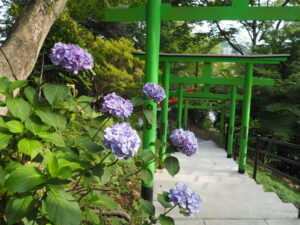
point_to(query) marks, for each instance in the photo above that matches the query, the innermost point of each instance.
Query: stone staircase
(228, 198)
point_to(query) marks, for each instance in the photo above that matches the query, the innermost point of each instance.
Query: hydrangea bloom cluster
(117, 106)
(122, 140)
(188, 201)
(71, 57)
(154, 91)
(185, 141)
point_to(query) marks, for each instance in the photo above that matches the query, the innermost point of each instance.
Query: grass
(271, 183)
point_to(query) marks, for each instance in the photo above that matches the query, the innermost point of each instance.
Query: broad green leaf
(106, 202)
(24, 179)
(146, 176)
(91, 216)
(18, 107)
(54, 138)
(35, 125)
(146, 155)
(166, 220)
(106, 175)
(62, 208)
(17, 84)
(15, 126)
(4, 140)
(55, 92)
(4, 85)
(172, 165)
(138, 101)
(52, 119)
(55, 169)
(147, 207)
(163, 200)
(87, 143)
(2, 104)
(84, 98)
(149, 115)
(17, 208)
(30, 147)
(31, 94)
(52, 163)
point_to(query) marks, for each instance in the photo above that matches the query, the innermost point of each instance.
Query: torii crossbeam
(154, 12)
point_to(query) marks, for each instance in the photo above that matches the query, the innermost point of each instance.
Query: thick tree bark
(20, 51)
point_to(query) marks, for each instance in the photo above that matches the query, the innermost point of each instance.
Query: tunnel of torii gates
(153, 12)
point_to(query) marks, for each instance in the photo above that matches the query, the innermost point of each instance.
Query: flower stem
(100, 129)
(104, 157)
(169, 210)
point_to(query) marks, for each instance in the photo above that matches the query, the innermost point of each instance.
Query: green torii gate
(154, 12)
(207, 79)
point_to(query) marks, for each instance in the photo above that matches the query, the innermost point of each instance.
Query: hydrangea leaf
(52, 137)
(62, 208)
(17, 84)
(149, 115)
(52, 119)
(15, 126)
(166, 220)
(163, 199)
(4, 140)
(17, 208)
(4, 85)
(55, 92)
(138, 101)
(146, 176)
(18, 107)
(146, 155)
(35, 125)
(172, 165)
(106, 202)
(147, 207)
(24, 178)
(31, 94)
(30, 147)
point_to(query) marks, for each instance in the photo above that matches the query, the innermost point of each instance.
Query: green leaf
(146, 176)
(52, 119)
(149, 115)
(172, 165)
(52, 163)
(31, 94)
(146, 155)
(86, 99)
(147, 207)
(18, 107)
(15, 126)
(35, 125)
(4, 140)
(62, 208)
(106, 176)
(54, 138)
(55, 92)
(166, 220)
(2, 176)
(4, 85)
(30, 147)
(17, 208)
(17, 84)
(163, 199)
(91, 216)
(138, 101)
(24, 179)
(87, 143)
(106, 202)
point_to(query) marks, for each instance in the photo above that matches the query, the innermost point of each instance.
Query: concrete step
(232, 210)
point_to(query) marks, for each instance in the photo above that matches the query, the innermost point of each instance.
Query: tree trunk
(21, 49)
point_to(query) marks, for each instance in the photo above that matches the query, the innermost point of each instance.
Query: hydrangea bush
(59, 155)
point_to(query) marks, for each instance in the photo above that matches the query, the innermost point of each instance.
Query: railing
(261, 153)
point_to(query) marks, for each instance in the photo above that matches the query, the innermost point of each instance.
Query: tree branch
(228, 40)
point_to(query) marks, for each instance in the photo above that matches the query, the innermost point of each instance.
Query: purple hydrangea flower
(185, 141)
(187, 200)
(122, 140)
(154, 91)
(117, 106)
(71, 57)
